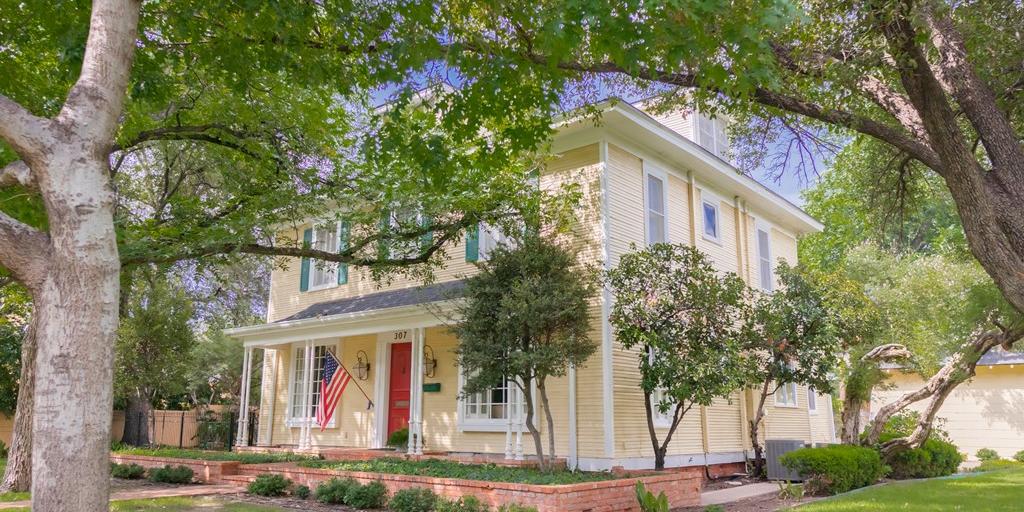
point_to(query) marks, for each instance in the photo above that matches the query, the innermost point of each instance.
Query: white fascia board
(350, 324)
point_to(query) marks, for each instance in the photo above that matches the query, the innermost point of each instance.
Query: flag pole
(360, 388)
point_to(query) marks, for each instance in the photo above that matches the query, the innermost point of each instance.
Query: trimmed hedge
(835, 469)
(413, 499)
(998, 465)
(934, 458)
(127, 471)
(171, 475)
(1019, 456)
(371, 495)
(987, 454)
(269, 484)
(333, 491)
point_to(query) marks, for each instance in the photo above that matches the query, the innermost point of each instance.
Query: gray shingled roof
(994, 357)
(382, 300)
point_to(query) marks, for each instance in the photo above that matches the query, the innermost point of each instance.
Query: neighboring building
(984, 412)
(644, 180)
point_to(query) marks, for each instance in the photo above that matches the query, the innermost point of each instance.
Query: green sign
(432, 387)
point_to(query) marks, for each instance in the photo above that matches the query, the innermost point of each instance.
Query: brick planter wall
(681, 486)
(206, 471)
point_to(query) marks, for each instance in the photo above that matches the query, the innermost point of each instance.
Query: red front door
(398, 387)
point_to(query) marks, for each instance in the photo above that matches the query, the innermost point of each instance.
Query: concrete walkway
(155, 492)
(742, 492)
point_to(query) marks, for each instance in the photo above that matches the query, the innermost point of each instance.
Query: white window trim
(652, 170)
(291, 421)
(490, 238)
(795, 395)
(810, 393)
(660, 420)
(462, 424)
(314, 263)
(762, 225)
(712, 200)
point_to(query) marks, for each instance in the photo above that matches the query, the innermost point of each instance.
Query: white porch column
(520, 403)
(305, 429)
(510, 413)
(416, 394)
(271, 363)
(242, 439)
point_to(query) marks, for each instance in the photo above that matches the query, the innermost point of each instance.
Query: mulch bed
(766, 503)
(288, 503)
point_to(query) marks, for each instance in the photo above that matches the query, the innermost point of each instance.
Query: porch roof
(364, 314)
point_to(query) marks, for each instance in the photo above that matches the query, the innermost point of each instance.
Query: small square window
(710, 221)
(785, 396)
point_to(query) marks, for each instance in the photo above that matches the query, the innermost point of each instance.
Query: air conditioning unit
(776, 448)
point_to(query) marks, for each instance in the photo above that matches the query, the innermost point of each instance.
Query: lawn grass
(978, 492)
(181, 504)
(10, 496)
(183, 453)
(451, 469)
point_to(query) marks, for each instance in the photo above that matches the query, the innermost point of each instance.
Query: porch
(343, 453)
(401, 359)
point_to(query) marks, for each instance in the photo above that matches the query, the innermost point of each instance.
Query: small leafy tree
(154, 342)
(791, 337)
(684, 318)
(525, 319)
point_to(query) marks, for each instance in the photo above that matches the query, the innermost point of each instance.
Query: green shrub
(1019, 456)
(371, 495)
(987, 454)
(648, 501)
(399, 439)
(171, 475)
(835, 469)
(269, 484)
(415, 499)
(333, 491)
(463, 504)
(934, 458)
(998, 464)
(513, 507)
(302, 492)
(127, 471)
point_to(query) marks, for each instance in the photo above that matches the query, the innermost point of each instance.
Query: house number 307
(400, 335)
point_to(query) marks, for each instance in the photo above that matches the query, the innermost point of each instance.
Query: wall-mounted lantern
(362, 367)
(429, 362)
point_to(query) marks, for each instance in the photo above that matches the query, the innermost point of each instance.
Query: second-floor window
(764, 259)
(712, 136)
(655, 200)
(812, 401)
(709, 207)
(786, 395)
(323, 274)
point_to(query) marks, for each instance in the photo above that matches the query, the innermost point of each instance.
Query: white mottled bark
(72, 271)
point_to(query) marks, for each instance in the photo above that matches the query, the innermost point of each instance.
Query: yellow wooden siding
(785, 422)
(725, 427)
(982, 413)
(722, 253)
(821, 421)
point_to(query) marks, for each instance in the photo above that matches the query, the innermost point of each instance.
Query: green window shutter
(307, 241)
(427, 239)
(343, 232)
(473, 242)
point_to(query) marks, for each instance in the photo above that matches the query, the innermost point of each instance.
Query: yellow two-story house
(645, 179)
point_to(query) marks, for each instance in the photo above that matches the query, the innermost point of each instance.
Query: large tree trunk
(851, 417)
(136, 420)
(866, 373)
(18, 474)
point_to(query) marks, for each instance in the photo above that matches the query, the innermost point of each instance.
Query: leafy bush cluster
(934, 458)
(997, 465)
(349, 492)
(986, 454)
(269, 485)
(399, 439)
(648, 501)
(419, 499)
(302, 492)
(1019, 456)
(451, 469)
(835, 469)
(171, 475)
(127, 471)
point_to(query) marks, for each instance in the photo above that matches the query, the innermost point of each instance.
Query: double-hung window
(710, 217)
(812, 401)
(492, 237)
(298, 401)
(764, 259)
(661, 419)
(488, 410)
(655, 201)
(785, 396)
(712, 135)
(324, 274)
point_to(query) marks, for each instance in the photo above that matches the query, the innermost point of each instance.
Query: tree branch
(94, 104)
(24, 251)
(17, 173)
(27, 134)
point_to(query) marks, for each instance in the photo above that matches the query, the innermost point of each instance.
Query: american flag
(332, 385)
